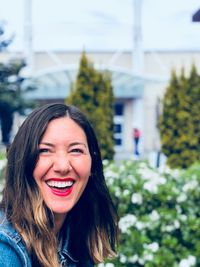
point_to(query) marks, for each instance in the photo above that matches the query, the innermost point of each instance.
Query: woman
(56, 209)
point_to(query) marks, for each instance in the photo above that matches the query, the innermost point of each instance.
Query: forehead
(64, 127)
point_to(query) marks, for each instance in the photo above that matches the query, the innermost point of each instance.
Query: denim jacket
(13, 252)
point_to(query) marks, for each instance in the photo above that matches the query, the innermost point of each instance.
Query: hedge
(159, 214)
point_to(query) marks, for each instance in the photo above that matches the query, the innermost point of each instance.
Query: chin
(61, 210)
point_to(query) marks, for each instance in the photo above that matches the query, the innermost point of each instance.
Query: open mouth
(60, 184)
(61, 187)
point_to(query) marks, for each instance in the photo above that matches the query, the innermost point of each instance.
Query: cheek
(40, 170)
(81, 164)
(85, 168)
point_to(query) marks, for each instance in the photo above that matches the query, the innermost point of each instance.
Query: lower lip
(62, 193)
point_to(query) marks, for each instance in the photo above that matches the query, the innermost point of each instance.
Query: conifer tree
(179, 122)
(93, 94)
(11, 93)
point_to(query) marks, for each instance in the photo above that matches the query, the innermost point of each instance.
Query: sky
(102, 24)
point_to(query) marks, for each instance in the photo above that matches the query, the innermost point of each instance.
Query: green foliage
(93, 94)
(180, 120)
(11, 91)
(159, 214)
(10, 83)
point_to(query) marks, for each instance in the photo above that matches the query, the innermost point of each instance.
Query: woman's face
(64, 165)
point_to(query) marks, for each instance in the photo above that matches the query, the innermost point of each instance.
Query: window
(118, 128)
(118, 125)
(119, 109)
(118, 141)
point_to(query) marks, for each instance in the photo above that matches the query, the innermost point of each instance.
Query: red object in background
(136, 133)
(136, 137)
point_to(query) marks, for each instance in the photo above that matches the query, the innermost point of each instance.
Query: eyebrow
(46, 143)
(70, 145)
(77, 143)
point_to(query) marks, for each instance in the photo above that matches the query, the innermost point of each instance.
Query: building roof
(55, 83)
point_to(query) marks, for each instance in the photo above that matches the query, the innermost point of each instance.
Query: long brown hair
(93, 219)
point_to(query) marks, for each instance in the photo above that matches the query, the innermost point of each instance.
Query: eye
(77, 150)
(43, 150)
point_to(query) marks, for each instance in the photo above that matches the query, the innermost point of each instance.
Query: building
(137, 96)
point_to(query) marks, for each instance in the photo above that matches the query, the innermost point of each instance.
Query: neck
(59, 220)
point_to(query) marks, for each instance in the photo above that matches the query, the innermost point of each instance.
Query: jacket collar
(64, 243)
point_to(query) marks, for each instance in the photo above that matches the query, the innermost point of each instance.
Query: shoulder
(9, 253)
(12, 249)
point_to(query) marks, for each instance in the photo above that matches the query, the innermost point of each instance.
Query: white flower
(178, 208)
(146, 173)
(154, 216)
(106, 265)
(122, 168)
(190, 261)
(123, 258)
(169, 228)
(136, 198)
(126, 222)
(141, 261)
(117, 192)
(148, 256)
(181, 198)
(184, 263)
(162, 180)
(126, 192)
(109, 265)
(183, 217)
(140, 225)
(176, 224)
(134, 258)
(151, 187)
(153, 246)
(190, 186)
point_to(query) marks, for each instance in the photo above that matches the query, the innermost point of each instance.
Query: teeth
(60, 184)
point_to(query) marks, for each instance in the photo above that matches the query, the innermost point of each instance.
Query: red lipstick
(61, 193)
(61, 186)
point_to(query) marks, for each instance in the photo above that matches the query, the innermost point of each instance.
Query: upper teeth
(60, 184)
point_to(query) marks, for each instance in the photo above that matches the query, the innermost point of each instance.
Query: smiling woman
(55, 201)
(63, 166)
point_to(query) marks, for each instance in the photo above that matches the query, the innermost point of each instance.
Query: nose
(61, 164)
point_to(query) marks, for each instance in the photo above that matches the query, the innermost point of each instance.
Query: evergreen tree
(193, 101)
(93, 94)
(179, 122)
(11, 92)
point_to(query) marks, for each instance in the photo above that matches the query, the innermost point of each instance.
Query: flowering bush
(159, 213)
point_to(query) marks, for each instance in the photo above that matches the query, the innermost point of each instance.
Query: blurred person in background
(136, 137)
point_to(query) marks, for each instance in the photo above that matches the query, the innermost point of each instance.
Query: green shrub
(159, 215)
(92, 92)
(179, 122)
